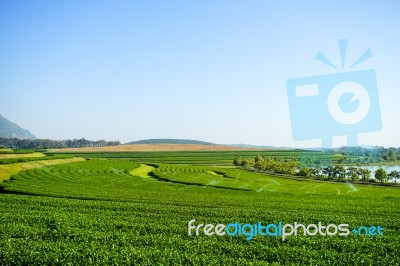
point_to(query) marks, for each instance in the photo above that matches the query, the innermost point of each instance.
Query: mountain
(9, 129)
(170, 141)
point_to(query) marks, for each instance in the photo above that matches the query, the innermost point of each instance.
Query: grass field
(201, 157)
(108, 211)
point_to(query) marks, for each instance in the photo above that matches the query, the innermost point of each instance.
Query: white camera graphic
(331, 105)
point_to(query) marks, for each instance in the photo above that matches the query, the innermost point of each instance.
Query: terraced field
(102, 211)
(27, 155)
(201, 157)
(6, 171)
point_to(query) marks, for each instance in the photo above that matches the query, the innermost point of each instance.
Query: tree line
(292, 167)
(268, 164)
(349, 173)
(16, 143)
(370, 154)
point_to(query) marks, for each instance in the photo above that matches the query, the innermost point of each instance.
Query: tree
(305, 171)
(247, 162)
(352, 173)
(289, 167)
(364, 173)
(340, 172)
(329, 171)
(316, 172)
(381, 175)
(392, 156)
(259, 163)
(394, 175)
(237, 161)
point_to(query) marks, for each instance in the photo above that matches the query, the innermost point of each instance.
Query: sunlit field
(108, 211)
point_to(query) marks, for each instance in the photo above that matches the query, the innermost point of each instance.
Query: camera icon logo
(345, 103)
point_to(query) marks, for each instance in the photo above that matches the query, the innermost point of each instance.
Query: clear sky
(207, 70)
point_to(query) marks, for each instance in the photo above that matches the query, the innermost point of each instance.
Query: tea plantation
(118, 212)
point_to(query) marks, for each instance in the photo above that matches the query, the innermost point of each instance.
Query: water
(387, 168)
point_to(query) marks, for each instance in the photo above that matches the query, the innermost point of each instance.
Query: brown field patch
(155, 147)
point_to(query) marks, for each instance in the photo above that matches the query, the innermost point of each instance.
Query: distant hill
(9, 129)
(171, 141)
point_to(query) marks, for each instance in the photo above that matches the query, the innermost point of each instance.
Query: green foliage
(237, 161)
(269, 164)
(394, 175)
(392, 156)
(292, 167)
(365, 174)
(304, 171)
(381, 175)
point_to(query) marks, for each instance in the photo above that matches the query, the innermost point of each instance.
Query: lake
(387, 168)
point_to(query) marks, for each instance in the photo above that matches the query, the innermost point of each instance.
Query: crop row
(98, 213)
(31, 159)
(199, 157)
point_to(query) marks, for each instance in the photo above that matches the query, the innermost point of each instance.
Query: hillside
(171, 141)
(9, 129)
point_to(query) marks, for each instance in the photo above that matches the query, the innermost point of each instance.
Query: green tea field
(199, 133)
(117, 212)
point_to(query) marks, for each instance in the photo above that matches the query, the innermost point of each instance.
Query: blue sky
(207, 70)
